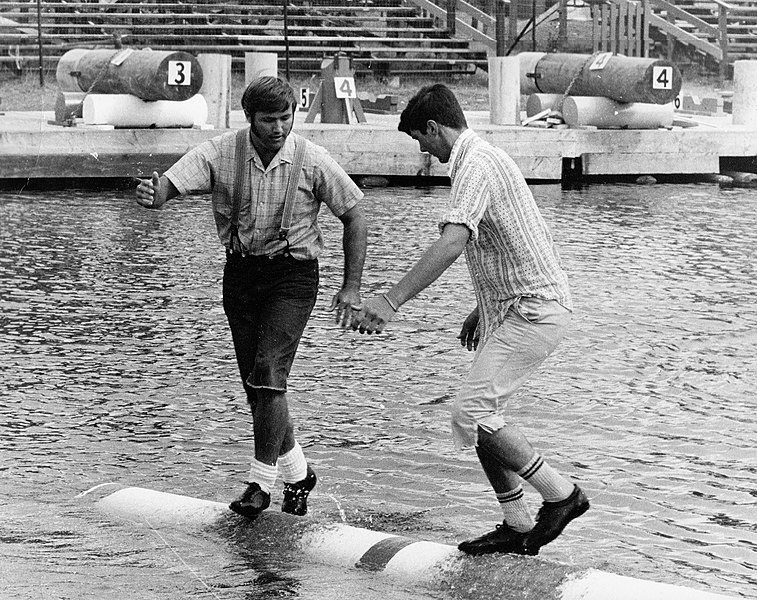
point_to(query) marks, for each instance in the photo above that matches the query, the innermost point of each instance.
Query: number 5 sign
(345, 87)
(179, 72)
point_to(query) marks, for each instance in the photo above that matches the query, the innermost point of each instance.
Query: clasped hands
(369, 317)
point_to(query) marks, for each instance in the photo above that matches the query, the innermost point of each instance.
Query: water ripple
(117, 366)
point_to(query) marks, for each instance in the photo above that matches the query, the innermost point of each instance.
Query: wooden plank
(623, 28)
(613, 34)
(29, 147)
(649, 164)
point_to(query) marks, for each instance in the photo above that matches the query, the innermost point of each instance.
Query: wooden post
(646, 12)
(622, 47)
(499, 27)
(504, 90)
(745, 92)
(562, 29)
(513, 21)
(723, 27)
(260, 64)
(613, 29)
(39, 44)
(451, 17)
(216, 87)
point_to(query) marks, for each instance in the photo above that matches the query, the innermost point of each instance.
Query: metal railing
(717, 50)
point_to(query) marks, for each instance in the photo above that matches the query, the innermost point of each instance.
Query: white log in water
(397, 556)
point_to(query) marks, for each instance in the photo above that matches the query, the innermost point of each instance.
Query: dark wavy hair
(268, 94)
(432, 102)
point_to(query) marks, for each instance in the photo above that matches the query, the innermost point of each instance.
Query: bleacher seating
(381, 36)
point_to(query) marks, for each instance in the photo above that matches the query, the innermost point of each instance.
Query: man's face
(270, 130)
(432, 142)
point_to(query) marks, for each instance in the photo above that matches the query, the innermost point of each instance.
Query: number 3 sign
(179, 72)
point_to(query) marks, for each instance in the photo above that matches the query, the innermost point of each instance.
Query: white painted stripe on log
(421, 560)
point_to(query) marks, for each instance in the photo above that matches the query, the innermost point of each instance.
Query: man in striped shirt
(270, 279)
(523, 310)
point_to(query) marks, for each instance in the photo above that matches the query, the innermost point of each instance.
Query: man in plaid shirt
(523, 310)
(271, 274)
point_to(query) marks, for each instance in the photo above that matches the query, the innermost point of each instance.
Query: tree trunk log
(146, 74)
(620, 78)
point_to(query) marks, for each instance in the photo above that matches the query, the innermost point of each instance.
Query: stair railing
(718, 50)
(462, 19)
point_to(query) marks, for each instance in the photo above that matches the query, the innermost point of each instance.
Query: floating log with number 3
(621, 78)
(146, 74)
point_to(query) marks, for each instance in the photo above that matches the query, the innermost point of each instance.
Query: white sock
(552, 486)
(262, 474)
(515, 509)
(292, 465)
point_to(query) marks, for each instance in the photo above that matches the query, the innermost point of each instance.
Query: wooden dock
(32, 148)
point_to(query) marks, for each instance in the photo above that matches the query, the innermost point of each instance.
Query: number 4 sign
(345, 87)
(662, 78)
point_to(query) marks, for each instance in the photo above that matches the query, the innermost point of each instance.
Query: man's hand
(150, 193)
(346, 302)
(374, 315)
(469, 334)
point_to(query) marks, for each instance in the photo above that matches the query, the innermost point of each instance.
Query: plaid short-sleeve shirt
(510, 252)
(211, 166)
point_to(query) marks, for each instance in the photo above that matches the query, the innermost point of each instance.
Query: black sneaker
(252, 502)
(503, 539)
(552, 519)
(295, 500)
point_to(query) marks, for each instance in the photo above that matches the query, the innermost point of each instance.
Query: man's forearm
(354, 244)
(437, 259)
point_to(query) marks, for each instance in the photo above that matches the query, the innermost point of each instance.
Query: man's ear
(432, 127)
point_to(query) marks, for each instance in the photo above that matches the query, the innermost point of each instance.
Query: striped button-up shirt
(211, 166)
(510, 252)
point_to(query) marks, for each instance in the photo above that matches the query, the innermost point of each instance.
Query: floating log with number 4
(621, 78)
(146, 74)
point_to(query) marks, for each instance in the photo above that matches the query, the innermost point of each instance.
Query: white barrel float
(536, 103)
(216, 87)
(260, 64)
(622, 78)
(146, 74)
(604, 113)
(745, 92)
(400, 557)
(504, 90)
(68, 105)
(125, 110)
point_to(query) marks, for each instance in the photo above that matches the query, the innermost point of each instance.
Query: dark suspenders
(289, 198)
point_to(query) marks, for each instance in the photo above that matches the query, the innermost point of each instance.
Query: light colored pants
(530, 332)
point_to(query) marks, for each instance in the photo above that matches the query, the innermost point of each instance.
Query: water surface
(117, 365)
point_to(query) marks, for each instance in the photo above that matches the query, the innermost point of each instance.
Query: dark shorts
(268, 303)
